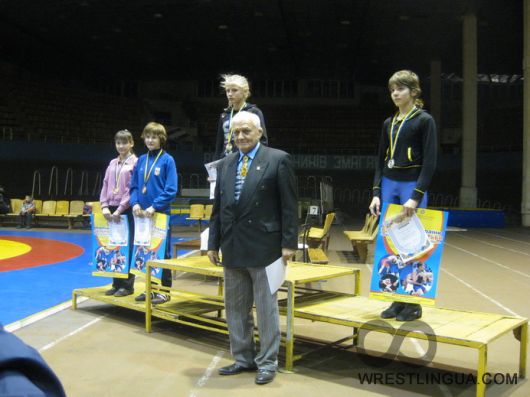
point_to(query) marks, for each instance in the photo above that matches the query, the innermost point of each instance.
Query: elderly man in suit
(254, 222)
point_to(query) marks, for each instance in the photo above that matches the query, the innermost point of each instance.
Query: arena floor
(103, 350)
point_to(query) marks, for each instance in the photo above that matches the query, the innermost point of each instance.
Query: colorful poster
(156, 249)
(110, 253)
(408, 255)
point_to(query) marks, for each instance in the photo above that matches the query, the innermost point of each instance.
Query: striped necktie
(240, 178)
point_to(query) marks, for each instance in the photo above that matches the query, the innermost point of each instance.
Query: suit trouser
(243, 287)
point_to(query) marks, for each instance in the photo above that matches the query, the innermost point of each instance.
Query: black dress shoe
(265, 376)
(393, 310)
(411, 312)
(111, 291)
(235, 369)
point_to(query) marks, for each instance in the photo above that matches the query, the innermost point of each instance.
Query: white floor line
(207, 374)
(488, 260)
(76, 331)
(505, 238)
(444, 389)
(369, 267)
(495, 245)
(183, 256)
(41, 315)
(495, 302)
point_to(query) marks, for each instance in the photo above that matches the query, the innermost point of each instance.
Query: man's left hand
(287, 254)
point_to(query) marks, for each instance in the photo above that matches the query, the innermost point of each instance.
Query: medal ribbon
(230, 131)
(147, 175)
(393, 142)
(117, 175)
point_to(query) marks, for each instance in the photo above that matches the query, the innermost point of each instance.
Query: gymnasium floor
(102, 350)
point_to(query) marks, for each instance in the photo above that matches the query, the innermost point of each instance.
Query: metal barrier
(54, 172)
(36, 179)
(83, 186)
(69, 178)
(98, 184)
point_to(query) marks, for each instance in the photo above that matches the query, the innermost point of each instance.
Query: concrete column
(436, 96)
(468, 189)
(525, 204)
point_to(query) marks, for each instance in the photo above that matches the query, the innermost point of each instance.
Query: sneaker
(393, 310)
(411, 312)
(159, 298)
(123, 292)
(141, 297)
(111, 291)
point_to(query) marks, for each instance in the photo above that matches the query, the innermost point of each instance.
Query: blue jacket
(162, 185)
(23, 372)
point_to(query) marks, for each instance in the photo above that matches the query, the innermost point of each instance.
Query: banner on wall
(408, 255)
(110, 241)
(149, 243)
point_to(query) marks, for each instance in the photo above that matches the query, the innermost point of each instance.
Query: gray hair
(247, 116)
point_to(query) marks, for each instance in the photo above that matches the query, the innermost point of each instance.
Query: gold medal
(148, 174)
(394, 138)
(116, 190)
(228, 148)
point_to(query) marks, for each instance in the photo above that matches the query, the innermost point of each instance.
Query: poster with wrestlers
(110, 255)
(149, 243)
(408, 255)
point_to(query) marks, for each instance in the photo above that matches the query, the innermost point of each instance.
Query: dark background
(129, 60)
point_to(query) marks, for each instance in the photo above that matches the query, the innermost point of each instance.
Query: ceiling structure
(364, 40)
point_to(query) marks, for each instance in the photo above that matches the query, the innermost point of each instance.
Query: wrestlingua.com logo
(446, 378)
(423, 331)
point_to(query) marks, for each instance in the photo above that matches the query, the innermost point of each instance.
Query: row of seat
(63, 209)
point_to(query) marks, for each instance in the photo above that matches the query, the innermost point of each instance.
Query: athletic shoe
(393, 310)
(111, 291)
(411, 312)
(123, 292)
(160, 298)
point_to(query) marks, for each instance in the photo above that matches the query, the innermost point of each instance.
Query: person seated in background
(4, 203)
(26, 213)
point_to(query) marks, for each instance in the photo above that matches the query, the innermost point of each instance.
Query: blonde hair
(157, 130)
(408, 79)
(238, 81)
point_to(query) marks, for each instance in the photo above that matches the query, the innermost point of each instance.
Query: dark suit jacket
(23, 372)
(253, 231)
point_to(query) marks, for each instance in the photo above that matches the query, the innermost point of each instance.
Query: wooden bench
(317, 256)
(362, 239)
(319, 237)
(204, 310)
(194, 244)
(454, 327)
